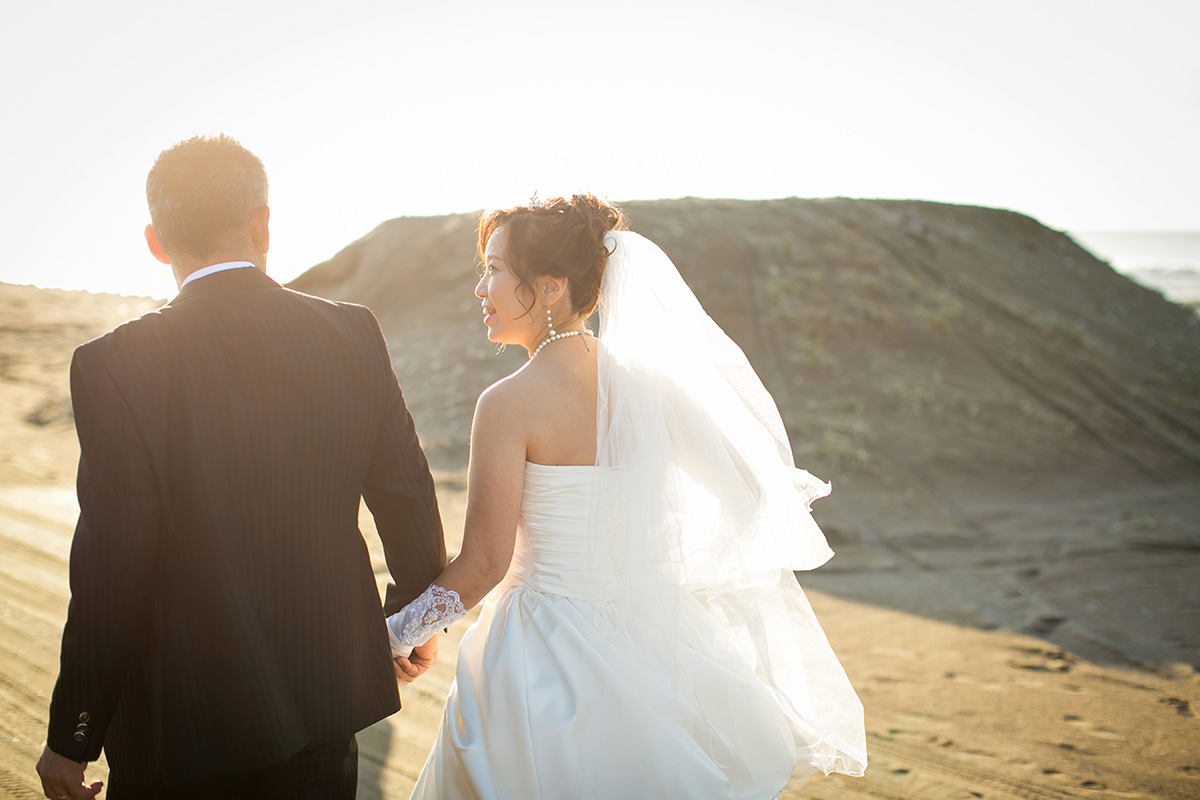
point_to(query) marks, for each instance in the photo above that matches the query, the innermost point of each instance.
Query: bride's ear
(551, 289)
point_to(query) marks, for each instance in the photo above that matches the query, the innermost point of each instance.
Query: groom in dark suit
(225, 637)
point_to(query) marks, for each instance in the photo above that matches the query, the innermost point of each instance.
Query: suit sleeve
(112, 558)
(400, 494)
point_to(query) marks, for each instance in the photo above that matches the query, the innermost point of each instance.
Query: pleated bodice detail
(554, 552)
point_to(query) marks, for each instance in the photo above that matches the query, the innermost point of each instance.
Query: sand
(952, 711)
(1013, 633)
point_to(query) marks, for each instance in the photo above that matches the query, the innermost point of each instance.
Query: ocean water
(1168, 261)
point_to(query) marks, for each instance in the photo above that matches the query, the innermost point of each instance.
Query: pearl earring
(549, 321)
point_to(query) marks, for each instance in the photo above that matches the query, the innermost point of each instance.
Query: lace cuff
(435, 608)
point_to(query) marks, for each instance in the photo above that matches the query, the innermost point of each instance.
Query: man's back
(226, 440)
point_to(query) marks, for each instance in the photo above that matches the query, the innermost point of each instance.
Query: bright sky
(1083, 114)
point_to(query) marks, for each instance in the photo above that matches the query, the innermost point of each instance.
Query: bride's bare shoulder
(509, 399)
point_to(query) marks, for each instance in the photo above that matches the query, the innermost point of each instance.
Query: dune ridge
(890, 332)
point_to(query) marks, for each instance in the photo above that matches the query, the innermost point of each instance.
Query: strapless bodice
(554, 552)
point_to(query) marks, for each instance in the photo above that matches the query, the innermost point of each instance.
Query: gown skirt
(552, 700)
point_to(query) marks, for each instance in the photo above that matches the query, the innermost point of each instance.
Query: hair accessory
(535, 201)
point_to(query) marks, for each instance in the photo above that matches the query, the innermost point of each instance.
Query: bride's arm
(495, 478)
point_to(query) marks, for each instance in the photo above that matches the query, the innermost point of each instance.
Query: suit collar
(228, 281)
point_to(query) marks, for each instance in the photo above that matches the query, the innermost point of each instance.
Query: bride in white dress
(634, 519)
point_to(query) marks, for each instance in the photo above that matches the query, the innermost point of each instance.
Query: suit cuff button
(85, 717)
(80, 736)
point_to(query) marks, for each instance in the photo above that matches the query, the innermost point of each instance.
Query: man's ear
(155, 248)
(260, 229)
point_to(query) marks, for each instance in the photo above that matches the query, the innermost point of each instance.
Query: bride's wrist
(420, 620)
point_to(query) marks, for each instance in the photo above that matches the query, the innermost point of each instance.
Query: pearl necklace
(555, 338)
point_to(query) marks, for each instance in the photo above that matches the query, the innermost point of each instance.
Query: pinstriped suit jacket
(223, 608)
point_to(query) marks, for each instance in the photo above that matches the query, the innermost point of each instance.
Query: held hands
(431, 611)
(63, 778)
(418, 662)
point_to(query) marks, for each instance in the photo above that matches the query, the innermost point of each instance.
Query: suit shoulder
(361, 312)
(357, 322)
(333, 306)
(135, 334)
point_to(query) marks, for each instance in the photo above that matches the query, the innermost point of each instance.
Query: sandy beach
(1032, 635)
(952, 711)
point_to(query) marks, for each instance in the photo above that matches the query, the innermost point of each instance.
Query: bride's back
(559, 386)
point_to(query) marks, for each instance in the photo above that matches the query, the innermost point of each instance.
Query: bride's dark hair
(559, 237)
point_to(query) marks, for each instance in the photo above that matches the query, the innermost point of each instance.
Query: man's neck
(186, 267)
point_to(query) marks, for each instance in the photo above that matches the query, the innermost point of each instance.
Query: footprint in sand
(982, 685)
(1092, 730)
(1039, 660)
(1179, 704)
(1059, 777)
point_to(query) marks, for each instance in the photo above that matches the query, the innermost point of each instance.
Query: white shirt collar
(214, 269)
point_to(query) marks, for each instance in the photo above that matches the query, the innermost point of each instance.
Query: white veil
(702, 518)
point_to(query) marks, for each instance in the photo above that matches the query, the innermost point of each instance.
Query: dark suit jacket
(223, 612)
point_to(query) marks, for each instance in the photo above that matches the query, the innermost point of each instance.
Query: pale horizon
(1083, 117)
(156, 270)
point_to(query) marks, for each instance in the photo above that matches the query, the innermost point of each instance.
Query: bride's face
(504, 298)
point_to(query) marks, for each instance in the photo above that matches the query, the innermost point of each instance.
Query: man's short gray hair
(202, 191)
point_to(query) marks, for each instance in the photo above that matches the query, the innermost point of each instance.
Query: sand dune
(1008, 423)
(1017, 492)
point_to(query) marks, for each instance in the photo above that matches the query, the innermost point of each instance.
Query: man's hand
(63, 778)
(418, 663)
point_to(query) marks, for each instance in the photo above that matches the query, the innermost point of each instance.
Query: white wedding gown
(650, 639)
(550, 698)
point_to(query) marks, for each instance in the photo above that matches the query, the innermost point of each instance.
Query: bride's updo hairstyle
(560, 238)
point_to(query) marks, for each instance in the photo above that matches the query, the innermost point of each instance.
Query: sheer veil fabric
(701, 517)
